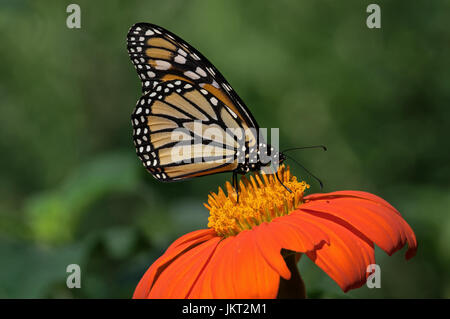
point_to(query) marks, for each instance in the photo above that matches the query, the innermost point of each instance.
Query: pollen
(261, 199)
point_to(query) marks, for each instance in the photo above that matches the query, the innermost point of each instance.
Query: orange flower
(248, 249)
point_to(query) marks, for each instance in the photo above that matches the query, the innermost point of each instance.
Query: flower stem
(293, 288)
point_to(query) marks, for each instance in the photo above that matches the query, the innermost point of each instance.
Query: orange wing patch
(161, 43)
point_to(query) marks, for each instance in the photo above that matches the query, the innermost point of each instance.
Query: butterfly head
(275, 157)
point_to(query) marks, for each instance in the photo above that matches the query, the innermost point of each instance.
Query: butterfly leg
(236, 185)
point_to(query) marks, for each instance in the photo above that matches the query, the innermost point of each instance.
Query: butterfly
(182, 121)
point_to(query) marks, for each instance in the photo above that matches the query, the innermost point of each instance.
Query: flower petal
(223, 285)
(368, 213)
(346, 259)
(216, 281)
(310, 233)
(195, 236)
(180, 276)
(254, 277)
(248, 272)
(356, 194)
(176, 249)
(270, 249)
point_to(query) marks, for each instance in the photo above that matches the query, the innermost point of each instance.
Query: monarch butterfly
(181, 88)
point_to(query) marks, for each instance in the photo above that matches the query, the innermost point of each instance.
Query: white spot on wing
(180, 59)
(162, 65)
(192, 75)
(213, 100)
(200, 71)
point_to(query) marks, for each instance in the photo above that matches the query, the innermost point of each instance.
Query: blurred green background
(72, 189)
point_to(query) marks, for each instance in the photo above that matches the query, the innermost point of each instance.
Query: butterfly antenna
(307, 171)
(305, 147)
(287, 188)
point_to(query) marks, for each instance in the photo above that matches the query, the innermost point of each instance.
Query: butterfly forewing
(160, 55)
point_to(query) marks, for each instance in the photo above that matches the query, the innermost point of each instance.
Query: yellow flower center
(261, 199)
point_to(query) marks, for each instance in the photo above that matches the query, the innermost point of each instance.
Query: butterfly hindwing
(179, 133)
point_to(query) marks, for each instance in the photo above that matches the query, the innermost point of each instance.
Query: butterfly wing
(179, 133)
(180, 88)
(159, 55)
